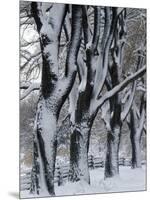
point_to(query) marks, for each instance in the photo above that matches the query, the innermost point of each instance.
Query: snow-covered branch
(138, 115)
(128, 103)
(105, 109)
(75, 40)
(120, 87)
(107, 39)
(96, 34)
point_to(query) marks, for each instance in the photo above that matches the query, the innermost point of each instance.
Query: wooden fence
(62, 172)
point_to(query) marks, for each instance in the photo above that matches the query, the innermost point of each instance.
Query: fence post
(91, 162)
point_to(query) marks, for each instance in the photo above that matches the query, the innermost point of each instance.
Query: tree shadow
(14, 194)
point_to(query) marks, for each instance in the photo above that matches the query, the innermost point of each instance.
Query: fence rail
(62, 172)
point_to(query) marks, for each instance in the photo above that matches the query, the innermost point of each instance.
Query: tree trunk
(135, 141)
(79, 145)
(113, 138)
(45, 145)
(112, 155)
(136, 151)
(54, 90)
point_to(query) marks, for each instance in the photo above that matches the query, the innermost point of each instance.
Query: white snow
(129, 180)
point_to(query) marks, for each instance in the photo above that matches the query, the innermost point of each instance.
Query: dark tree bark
(136, 126)
(79, 154)
(115, 72)
(82, 123)
(135, 142)
(113, 141)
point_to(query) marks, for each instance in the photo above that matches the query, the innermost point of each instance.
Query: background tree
(118, 110)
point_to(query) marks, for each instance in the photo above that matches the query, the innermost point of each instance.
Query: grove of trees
(93, 58)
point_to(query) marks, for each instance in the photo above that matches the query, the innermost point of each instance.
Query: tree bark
(136, 151)
(79, 155)
(112, 158)
(114, 131)
(135, 141)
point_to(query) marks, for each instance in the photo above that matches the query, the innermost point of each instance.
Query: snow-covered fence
(97, 162)
(62, 172)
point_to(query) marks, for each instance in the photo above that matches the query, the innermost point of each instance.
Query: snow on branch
(119, 87)
(86, 28)
(96, 35)
(28, 89)
(120, 10)
(138, 115)
(75, 40)
(105, 114)
(128, 103)
(107, 39)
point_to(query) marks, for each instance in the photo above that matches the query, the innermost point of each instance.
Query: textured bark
(45, 145)
(112, 159)
(136, 127)
(115, 79)
(79, 155)
(82, 122)
(79, 144)
(136, 149)
(113, 138)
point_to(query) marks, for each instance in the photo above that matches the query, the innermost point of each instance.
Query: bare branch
(28, 89)
(29, 59)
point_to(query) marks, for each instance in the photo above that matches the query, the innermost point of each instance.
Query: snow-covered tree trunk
(81, 129)
(82, 122)
(54, 90)
(79, 154)
(113, 138)
(111, 162)
(115, 71)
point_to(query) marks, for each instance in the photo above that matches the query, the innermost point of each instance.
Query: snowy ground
(129, 180)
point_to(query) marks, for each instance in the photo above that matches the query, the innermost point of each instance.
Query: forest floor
(128, 180)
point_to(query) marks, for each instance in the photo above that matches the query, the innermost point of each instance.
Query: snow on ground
(129, 180)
